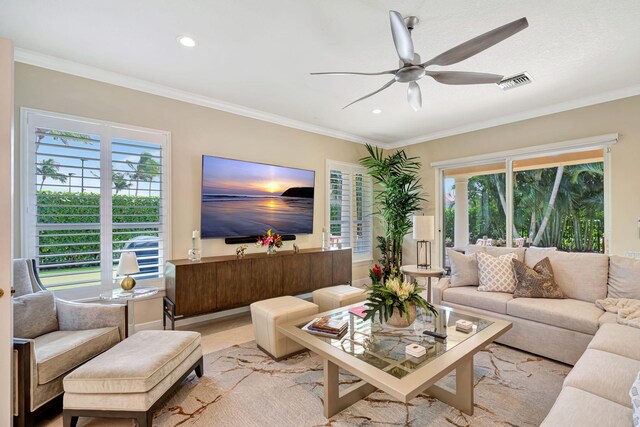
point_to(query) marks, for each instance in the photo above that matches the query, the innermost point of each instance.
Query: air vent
(515, 81)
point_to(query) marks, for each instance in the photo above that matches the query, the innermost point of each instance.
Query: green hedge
(83, 208)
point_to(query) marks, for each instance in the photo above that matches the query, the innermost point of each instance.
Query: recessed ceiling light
(186, 41)
(376, 111)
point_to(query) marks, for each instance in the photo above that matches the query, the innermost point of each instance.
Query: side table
(136, 294)
(413, 272)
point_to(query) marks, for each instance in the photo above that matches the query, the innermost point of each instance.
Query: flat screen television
(246, 199)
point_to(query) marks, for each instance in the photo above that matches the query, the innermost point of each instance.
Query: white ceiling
(258, 54)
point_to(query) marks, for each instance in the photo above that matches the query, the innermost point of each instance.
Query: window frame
(30, 119)
(351, 169)
(603, 142)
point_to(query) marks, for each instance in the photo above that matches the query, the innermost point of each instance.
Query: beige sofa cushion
(59, 352)
(624, 277)
(581, 276)
(569, 314)
(495, 251)
(604, 374)
(608, 317)
(578, 408)
(338, 296)
(464, 269)
(470, 296)
(618, 339)
(135, 365)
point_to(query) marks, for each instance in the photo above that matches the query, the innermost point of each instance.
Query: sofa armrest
(25, 376)
(74, 316)
(439, 289)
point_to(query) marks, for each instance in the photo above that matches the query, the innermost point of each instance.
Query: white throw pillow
(495, 251)
(635, 401)
(496, 274)
(464, 269)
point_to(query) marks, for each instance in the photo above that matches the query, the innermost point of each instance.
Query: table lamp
(423, 233)
(128, 265)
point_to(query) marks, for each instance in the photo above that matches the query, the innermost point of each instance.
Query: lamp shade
(423, 227)
(128, 264)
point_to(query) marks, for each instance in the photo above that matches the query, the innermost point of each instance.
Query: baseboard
(157, 324)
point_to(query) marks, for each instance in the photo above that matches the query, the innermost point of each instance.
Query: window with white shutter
(92, 190)
(350, 220)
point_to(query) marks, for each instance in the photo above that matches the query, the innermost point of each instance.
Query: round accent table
(136, 294)
(413, 272)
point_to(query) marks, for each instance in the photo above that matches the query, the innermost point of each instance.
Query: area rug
(243, 387)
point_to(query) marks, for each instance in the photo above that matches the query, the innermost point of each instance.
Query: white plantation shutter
(80, 204)
(349, 208)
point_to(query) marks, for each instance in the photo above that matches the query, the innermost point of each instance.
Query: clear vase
(271, 250)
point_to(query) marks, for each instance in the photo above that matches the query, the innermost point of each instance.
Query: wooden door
(234, 287)
(322, 270)
(266, 277)
(195, 288)
(342, 267)
(297, 274)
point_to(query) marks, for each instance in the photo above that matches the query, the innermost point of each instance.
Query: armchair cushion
(61, 351)
(74, 316)
(23, 277)
(34, 315)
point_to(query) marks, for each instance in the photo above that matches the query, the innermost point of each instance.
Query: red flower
(377, 270)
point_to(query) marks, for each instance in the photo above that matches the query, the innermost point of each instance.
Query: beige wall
(194, 131)
(621, 116)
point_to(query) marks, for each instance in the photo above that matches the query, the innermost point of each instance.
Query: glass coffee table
(375, 353)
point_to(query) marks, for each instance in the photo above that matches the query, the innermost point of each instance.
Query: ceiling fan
(412, 69)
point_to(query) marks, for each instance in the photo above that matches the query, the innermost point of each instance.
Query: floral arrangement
(393, 294)
(271, 241)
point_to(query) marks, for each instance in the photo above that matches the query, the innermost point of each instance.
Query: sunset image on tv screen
(246, 199)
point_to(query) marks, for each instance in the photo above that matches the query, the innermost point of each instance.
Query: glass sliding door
(559, 201)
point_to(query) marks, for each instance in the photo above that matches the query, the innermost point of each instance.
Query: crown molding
(525, 115)
(93, 73)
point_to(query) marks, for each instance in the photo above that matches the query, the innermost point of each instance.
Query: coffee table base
(461, 398)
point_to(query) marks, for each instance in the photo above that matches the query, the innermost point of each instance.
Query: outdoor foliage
(561, 207)
(84, 209)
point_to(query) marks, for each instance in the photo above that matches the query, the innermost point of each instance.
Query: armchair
(83, 331)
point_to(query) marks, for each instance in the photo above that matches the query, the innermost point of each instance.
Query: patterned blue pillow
(635, 401)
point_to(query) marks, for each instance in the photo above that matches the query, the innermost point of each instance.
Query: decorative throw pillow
(635, 401)
(496, 274)
(536, 282)
(464, 269)
(34, 315)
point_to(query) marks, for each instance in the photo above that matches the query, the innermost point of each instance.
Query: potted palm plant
(398, 195)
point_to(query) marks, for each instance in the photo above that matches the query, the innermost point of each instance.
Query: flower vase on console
(272, 241)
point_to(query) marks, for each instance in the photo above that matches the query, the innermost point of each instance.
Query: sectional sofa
(606, 354)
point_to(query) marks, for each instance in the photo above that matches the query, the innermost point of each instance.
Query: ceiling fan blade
(340, 73)
(371, 94)
(414, 96)
(401, 37)
(464, 77)
(478, 44)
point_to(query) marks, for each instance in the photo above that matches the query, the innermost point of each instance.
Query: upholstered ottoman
(132, 379)
(338, 296)
(267, 314)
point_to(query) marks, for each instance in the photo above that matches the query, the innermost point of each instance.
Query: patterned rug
(243, 387)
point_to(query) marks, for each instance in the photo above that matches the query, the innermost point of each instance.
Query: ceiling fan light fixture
(186, 41)
(376, 111)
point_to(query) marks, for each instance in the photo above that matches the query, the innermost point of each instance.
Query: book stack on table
(327, 327)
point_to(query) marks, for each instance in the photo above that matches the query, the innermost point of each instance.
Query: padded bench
(338, 296)
(133, 378)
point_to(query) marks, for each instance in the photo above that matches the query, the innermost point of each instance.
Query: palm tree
(48, 168)
(146, 169)
(119, 182)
